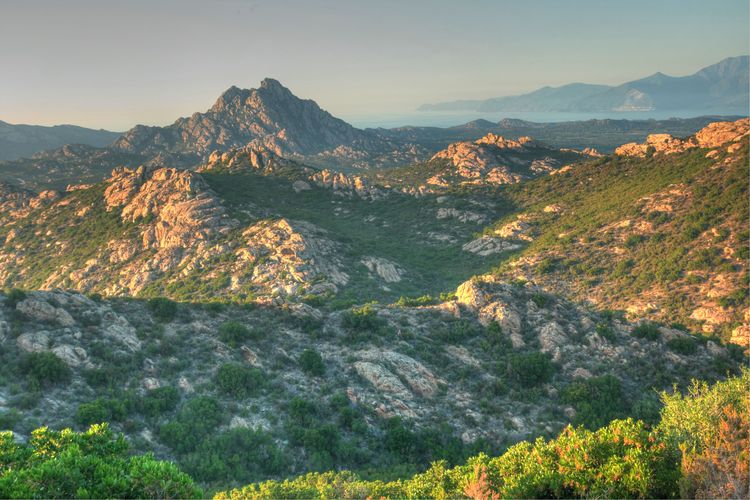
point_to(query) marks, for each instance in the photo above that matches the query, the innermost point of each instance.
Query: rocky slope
(251, 226)
(494, 159)
(662, 236)
(487, 369)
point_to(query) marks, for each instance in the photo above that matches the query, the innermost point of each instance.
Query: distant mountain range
(17, 141)
(720, 88)
(273, 119)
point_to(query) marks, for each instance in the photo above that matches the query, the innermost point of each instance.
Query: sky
(113, 64)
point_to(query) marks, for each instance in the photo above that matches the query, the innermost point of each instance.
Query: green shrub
(531, 369)
(104, 409)
(540, 299)
(362, 319)
(198, 418)
(648, 331)
(238, 380)
(45, 369)
(236, 455)
(159, 401)
(682, 345)
(621, 460)
(163, 309)
(94, 412)
(91, 464)
(312, 363)
(545, 266)
(14, 296)
(234, 333)
(597, 400)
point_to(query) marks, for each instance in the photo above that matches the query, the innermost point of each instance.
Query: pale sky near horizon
(110, 64)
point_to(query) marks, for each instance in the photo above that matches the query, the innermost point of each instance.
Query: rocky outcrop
(487, 245)
(383, 268)
(712, 136)
(494, 159)
(346, 185)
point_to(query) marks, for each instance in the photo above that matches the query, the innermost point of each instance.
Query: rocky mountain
(719, 88)
(269, 117)
(19, 141)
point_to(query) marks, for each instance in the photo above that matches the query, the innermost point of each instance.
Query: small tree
(312, 363)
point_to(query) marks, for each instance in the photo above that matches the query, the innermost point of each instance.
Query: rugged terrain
(301, 387)
(297, 318)
(271, 118)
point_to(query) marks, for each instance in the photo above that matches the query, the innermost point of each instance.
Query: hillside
(719, 88)
(18, 141)
(299, 388)
(661, 234)
(491, 160)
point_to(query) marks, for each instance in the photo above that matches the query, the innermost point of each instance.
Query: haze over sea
(448, 119)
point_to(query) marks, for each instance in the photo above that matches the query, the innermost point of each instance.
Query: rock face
(267, 118)
(494, 159)
(172, 227)
(713, 135)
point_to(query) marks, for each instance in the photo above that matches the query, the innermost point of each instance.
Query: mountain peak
(270, 83)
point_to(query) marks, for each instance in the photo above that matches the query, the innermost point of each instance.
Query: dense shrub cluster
(234, 333)
(163, 309)
(531, 369)
(44, 369)
(311, 362)
(239, 380)
(91, 464)
(597, 400)
(699, 448)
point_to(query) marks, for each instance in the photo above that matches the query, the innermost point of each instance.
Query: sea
(448, 119)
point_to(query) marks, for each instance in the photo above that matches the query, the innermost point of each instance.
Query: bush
(163, 309)
(362, 319)
(682, 345)
(312, 363)
(621, 460)
(597, 400)
(234, 333)
(197, 419)
(91, 413)
(103, 410)
(236, 455)
(159, 401)
(648, 331)
(45, 369)
(238, 380)
(14, 296)
(91, 464)
(531, 369)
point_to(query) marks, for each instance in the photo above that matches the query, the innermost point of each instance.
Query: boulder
(33, 341)
(41, 310)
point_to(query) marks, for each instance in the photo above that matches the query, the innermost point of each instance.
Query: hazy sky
(113, 64)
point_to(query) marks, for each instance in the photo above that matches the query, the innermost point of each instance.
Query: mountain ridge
(719, 87)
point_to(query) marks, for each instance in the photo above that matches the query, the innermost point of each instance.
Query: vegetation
(311, 362)
(91, 464)
(44, 369)
(624, 459)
